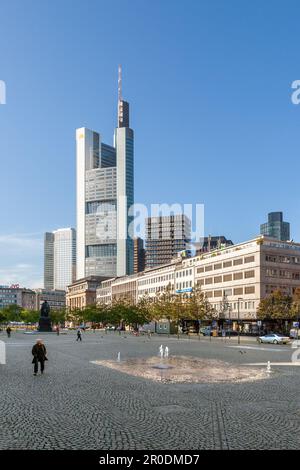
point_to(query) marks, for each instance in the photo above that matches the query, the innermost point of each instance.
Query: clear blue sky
(209, 84)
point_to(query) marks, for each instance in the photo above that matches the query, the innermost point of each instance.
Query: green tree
(13, 313)
(3, 317)
(30, 316)
(58, 316)
(137, 315)
(163, 305)
(75, 316)
(198, 307)
(277, 306)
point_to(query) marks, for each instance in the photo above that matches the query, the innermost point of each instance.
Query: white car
(273, 338)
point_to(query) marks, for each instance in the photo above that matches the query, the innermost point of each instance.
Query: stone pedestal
(45, 324)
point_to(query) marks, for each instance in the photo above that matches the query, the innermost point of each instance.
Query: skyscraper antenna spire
(119, 83)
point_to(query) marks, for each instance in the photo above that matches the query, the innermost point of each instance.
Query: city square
(150, 231)
(77, 404)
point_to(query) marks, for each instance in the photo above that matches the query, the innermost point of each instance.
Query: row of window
(95, 251)
(184, 285)
(166, 277)
(226, 264)
(228, 292)
(283, 274)
(154, 290)
(288, 290)
(187, 272)
(226, 277)
(283, 259)
(234, 306)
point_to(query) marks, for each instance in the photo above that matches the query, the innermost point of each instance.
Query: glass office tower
(105, 192)
(64, 257)
(59, 258)
(49, 260)
(276, 227)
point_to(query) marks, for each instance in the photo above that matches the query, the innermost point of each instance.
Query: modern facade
(55, 298)
(49, 260)
(15, 295)
(105, 185)
(276, 227)
(125, 288)
(165, 237)
(59, 258)
(104, 292)
(64, 257)
(31, 299)
(234, 279)
(139, 255)
(83, 292)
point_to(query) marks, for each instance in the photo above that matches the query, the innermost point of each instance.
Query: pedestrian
(57, 330)
(8, 331)
(39, 356)
(79, 335)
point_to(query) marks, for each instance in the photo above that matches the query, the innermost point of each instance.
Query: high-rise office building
(139, 256)
(276, 227)
(104, 194)
(59, 258)
(165, 237)
(49, 260)
(64, 257)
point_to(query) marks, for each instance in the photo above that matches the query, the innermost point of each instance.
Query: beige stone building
(103, 292)
(125, 288)
(241, 275)
(234, 278)
(83, 292)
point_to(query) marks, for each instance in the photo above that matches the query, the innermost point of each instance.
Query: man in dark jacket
(39, 356)
(8, 331)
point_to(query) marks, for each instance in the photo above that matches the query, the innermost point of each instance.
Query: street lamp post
(229, 310)
(239, 334)
(297, 330)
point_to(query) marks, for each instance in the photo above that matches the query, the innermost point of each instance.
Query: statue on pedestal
(45, 320)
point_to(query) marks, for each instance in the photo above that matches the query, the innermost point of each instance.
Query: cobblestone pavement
(79, 405)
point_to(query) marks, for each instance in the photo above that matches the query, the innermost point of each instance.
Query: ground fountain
(186, 369)
(163, 354)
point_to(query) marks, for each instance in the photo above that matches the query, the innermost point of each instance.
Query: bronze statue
(45, 320)
(45, 309)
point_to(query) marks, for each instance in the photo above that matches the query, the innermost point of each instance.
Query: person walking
(8, 331)
(57, 330)
(39, 356)
(79, 335)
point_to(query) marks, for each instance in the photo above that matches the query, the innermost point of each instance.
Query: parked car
(273, 338)
(206, 331)
(230, 332)
(110, 328)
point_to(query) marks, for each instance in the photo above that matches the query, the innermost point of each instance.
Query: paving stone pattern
(79, 405)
